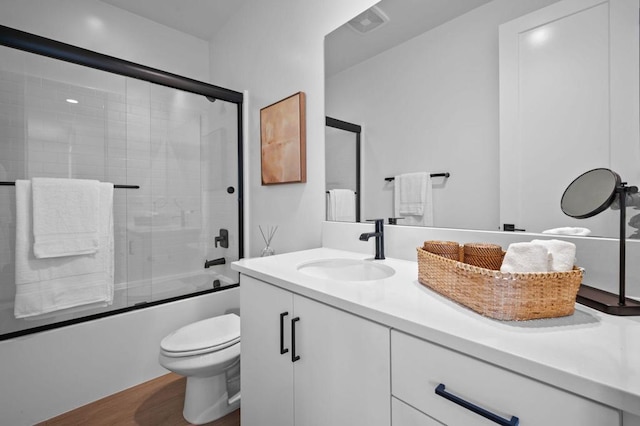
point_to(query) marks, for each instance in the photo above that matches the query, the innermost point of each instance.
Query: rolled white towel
(568, 230)
(562, 254)
(525, 257)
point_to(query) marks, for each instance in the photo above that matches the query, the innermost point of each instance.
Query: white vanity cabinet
(420, 367)
(405, 415)
(305, 363)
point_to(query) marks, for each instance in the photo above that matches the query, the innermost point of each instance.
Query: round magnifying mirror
(590, 193)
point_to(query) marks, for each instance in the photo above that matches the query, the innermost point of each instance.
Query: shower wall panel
(179, 147)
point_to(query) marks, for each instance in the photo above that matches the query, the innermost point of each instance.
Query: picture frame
(283, 141)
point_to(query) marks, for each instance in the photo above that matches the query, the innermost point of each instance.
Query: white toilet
(207, 352)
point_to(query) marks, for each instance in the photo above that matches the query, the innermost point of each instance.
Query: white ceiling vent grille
(368, 20)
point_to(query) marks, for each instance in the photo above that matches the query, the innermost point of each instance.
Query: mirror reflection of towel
(341, 205)
(568, 230)
(413, 199)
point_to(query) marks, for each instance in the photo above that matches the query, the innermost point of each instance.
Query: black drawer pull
(478, 410)
(283, 350)
(294, 357)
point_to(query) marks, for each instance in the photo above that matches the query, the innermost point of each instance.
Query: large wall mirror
(513, 99)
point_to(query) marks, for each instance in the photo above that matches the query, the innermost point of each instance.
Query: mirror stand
(605, 301)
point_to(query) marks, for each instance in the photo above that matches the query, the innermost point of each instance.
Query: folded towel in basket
(562, 254)
(525, 257)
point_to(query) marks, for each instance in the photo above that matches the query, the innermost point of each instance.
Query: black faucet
(379, 234)
(208, 263)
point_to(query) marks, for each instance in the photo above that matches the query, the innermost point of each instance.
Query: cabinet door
(629, 419)
(343, 374)
(267, 375)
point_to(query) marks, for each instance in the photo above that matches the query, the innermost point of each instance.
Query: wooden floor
(154, 403)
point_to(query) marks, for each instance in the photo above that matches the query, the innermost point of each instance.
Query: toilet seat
(209, 335)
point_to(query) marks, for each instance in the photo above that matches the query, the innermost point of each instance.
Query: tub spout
(220, 261)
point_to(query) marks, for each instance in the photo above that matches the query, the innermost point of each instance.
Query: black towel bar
(115, 186)
(445, 174)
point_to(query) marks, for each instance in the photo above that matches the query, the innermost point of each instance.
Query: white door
(343, 375)
(267, 375)
(568, 104)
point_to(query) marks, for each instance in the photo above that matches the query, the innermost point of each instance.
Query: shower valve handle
(223, 239)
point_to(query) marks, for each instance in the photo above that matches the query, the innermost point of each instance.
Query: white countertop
(588, 353)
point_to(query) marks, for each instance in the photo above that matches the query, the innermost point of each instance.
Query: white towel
(525, 257)
(65, 216)
(568, 230)
(413, 199)
(341, 205)
(48, 285)
(562, 254)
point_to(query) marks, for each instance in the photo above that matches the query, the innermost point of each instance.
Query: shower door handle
(294, 357)
(283, 350)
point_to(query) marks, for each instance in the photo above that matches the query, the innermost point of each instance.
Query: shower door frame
(20, 40)
(357, 130)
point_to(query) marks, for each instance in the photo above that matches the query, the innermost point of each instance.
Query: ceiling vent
(368, 20)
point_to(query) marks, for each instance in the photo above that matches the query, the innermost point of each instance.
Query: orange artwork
(282, 140)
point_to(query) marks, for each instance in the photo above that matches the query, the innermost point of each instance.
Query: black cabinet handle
(478, 410)
(294, 357)
(283, 350)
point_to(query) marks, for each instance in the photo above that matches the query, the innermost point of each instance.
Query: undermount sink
(346, 270)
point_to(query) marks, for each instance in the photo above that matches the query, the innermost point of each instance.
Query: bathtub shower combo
(171, 146)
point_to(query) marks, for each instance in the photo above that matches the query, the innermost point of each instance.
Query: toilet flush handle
(235, 398)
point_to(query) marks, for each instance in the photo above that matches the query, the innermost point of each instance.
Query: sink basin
(346, 270)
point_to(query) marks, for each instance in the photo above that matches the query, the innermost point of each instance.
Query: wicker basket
(449, 249)
(503, 296)
(483, 255)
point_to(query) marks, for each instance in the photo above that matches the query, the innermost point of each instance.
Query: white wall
(49, 373)
(94, 25)
(431, 104)
(274, 49)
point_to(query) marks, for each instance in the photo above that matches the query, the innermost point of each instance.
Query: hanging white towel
(341, 205)
(65, 216)
(52, 284)
(413, 199)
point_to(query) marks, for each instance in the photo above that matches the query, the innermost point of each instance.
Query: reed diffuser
(267, 237)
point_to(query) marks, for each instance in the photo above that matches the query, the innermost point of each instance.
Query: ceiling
(200, 18)
(344, 47)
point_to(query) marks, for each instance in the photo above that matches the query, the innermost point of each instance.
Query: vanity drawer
(419, 367)
(405, 415)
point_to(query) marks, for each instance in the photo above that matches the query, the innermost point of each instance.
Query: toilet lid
(212, 333)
